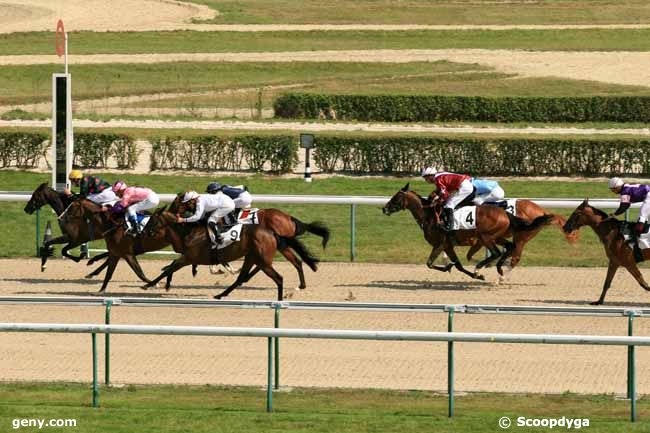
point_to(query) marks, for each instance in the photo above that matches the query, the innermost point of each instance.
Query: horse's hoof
(145, 287)
(101, 291)
(596, 303)
(89, 276)
(479, 277)
(43, 268)
(217, 296)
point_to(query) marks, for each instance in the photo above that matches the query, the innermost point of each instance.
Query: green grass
(220, 42)
(379, 239)
(239, 409)
(430, 12)
(23, 84)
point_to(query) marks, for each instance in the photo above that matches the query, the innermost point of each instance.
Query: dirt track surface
(325, 363)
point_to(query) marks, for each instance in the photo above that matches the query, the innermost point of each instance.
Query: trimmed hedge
(219, 153)
(505, 157)
(94, 150)
(20, 149)
(405, 108)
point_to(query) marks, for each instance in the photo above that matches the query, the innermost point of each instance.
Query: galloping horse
(494, 226)
(257, 245)
(528, 210)
(279, 222)
(76, 229)
(609, 231)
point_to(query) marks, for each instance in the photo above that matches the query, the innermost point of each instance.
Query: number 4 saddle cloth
(465, 217)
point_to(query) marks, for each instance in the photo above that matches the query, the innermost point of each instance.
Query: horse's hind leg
(167, 271)
(473, 250)
(96, 258)
(297, 263)
(277, 279)
(509, 247)
(99, 269)
(64, 251)
(494, 254)
(636, 273)
(241, 278)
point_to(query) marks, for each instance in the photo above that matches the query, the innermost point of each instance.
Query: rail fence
(352, 201)
(275, 333)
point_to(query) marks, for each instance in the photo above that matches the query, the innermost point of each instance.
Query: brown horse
(279, 222)
(77, 230)
(257, 245)
(494, 226)
(120, 244)
(528, 210)
(618, 251)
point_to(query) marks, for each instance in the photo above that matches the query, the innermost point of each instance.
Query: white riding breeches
(150, 202)
(497, 194)
(644, 213)
(227, 207)
(466, 188)
(244, 200)
(104, 197)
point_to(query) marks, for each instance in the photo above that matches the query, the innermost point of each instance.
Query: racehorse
(120, 244)
(493, 227)
(76, 230)
(618, 251)
(279, 222)
(257, 245)
(528, 210)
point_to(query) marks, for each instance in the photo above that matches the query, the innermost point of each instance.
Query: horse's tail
(572, 237)
(318, 228)
(520, 225)
(300, 249)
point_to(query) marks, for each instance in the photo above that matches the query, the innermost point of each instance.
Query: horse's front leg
(449, 249)
(435, 253)
(47, 249)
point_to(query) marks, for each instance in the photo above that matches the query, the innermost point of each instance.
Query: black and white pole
(307, 142)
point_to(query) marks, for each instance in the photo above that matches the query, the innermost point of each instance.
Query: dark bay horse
(494, 226)
(279, 222)
(257, 245)
(77, 230)
(618, 251)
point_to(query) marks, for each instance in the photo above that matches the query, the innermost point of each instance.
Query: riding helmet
(75, 174)
(213, 187)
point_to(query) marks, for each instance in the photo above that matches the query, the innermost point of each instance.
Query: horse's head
(585, 214)
(398, 202)
(179, 208)
(38, 199)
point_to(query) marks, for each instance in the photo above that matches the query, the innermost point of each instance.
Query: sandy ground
(322, 363)
(146, 15)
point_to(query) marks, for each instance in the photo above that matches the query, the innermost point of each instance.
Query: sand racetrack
(325, 363)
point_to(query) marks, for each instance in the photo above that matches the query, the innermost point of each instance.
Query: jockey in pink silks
(134, 199)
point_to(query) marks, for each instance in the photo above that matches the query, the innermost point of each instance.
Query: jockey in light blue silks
(487, 191)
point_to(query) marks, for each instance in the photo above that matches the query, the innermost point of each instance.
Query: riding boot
(447, 219)
(135, 226)
(216, 231)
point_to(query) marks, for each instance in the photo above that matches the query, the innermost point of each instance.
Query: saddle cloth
(509, 205)
(465, 218)
(229, 236)
(245, 216)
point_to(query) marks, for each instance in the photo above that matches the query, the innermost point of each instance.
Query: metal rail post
(276, 324)
(450, 363)
(631, 369)
(353, 211)
(269, 384)
(95, 386)
(107, 345)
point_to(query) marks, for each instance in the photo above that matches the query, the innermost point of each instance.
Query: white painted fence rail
(337, 334)
(358, 200)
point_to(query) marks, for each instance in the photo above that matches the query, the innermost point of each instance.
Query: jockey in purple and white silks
(632, 193)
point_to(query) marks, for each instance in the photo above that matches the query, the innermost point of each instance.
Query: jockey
(92, 188)
(134, 199)
(632, 193)
(452, 188)
(240, 195)
(487, 191)
(215, 205)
